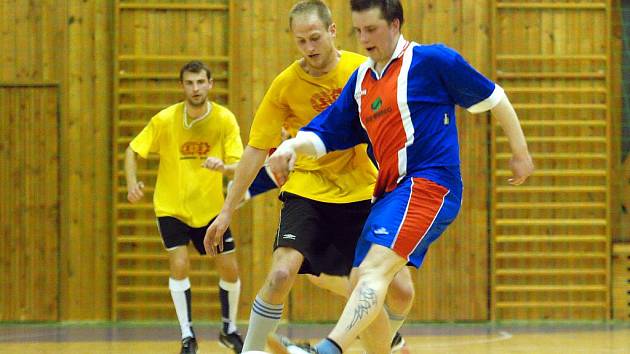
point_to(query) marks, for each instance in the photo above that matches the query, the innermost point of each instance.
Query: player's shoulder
(169, 113)
(223, 112)
(435, 52)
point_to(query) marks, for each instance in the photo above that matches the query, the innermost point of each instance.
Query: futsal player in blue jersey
(401, 101)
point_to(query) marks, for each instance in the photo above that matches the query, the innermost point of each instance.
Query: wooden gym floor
(421, 338)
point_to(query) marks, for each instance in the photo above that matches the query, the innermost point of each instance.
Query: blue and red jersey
(406, 114)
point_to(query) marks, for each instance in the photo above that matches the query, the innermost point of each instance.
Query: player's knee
(179, 268)
(402, 293)
(280, 279)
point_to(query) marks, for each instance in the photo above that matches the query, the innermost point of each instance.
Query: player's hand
(213, 241)
(522, 167)
(135, 193)
(214, 164)
(282, 161)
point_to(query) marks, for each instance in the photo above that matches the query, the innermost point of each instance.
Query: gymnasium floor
(421, 338)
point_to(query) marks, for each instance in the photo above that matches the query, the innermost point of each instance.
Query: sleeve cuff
(314, 139)
(489, 102)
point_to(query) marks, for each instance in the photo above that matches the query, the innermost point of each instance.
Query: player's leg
(365, 304)
(400, 229)
(175, 236)
(339, 285)
(295, 238)
(229, 287)
(398, 303)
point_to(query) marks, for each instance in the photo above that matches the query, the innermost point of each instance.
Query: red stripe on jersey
(425, 201)
(383, 122)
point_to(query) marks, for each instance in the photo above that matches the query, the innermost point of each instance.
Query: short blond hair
(316, 6)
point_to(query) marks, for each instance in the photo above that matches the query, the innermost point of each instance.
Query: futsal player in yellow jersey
(197, 141)
(326, 201)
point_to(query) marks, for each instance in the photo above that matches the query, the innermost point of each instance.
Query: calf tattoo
(367, 300)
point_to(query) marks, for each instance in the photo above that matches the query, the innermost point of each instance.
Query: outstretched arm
(521, 162)
(246, 170)
(282, 161)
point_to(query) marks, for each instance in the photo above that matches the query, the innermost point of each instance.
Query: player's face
(375, 34)
(196, 87)
(314, 41)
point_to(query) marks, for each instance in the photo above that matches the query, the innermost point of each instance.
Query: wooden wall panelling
(551, 236)
(29, 189)
(153, 40)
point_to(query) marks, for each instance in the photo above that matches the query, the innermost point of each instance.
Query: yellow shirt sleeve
(267, 125)
(232, 144)
(148, 139)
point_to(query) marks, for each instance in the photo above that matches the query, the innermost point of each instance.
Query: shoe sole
(275, 345)
(398, 347)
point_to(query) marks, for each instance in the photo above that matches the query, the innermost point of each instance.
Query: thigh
(199, 233)
(174, 232)
(408, 219)
(302, 228)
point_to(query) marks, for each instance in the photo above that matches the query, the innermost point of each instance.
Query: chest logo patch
(194, 149)
(323, 99)
(377, 104)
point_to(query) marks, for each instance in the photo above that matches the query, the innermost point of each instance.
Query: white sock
(180, 292)
(233, 291)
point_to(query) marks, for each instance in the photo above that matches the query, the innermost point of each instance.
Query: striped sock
(263, 320)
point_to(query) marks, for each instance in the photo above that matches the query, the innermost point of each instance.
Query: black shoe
(189, 345)
(283, 345)
(232, 341)
(398, 342)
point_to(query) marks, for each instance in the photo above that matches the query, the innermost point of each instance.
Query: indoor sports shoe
(189, 345)
(232, 341)
(282, 345)
(398, 342)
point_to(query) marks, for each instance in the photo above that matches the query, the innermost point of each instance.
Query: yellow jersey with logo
(184, 189)
(293, 99)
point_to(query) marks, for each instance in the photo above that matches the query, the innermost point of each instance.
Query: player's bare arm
(216, 164)
(134, 187)
(521, 163)
(246, 170)
(282, 161)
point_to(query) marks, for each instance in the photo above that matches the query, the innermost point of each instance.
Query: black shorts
(325, 233)
(176, 233)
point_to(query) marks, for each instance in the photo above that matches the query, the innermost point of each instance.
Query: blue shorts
(408, 219)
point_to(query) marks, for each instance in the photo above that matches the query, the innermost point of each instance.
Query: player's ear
(332, 29)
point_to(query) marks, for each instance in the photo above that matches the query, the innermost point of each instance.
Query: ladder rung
(551, 5)
(538, 221)
(140, 239)
(137, 206)
(579, 106)
(135, 222)
(551, 75)
(173, 91)
(172, 6)
(172, 58)
(555, 123)
(550, 255)
(142, 107)
(555, 304)
(559, 139)
(140, 173)
(558, 156)
(551, 189)
(550, 205)
(538, 57)
(546, 288)
(561, 271)
(142, 305)
(538, 89)
(558, 173)
(550, 238)
(160, 273)
(161, 76)
(161, 289)
(621, 248)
